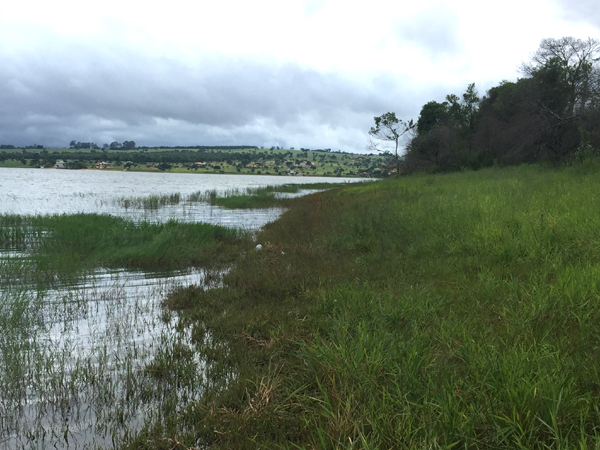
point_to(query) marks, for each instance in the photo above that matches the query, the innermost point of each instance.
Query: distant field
(243, 161)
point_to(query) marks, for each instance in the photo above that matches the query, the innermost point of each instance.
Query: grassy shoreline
(446, 311)
(432, 311)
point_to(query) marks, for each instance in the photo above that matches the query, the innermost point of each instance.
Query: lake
(52, 191)
(79, 363)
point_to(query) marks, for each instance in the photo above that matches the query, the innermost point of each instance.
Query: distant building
(60, 164)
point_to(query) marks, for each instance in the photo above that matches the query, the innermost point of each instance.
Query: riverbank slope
(432, 311)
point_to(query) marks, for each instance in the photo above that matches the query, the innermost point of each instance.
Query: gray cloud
(87, 93)
(586, 11)
(434, 31)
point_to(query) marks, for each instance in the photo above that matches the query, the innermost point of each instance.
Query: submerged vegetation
(432, 311)
(70, 243)
(263, 197)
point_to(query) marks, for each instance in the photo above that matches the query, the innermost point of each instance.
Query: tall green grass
(446, 311)
(71, 243)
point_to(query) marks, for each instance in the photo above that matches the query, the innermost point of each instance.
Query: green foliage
(432, 114)
(387, 133)
(432, 311)
(544, 117)
(555, 89)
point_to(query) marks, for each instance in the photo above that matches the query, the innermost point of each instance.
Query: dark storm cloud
(100, 95)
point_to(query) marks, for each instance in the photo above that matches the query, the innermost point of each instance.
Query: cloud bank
(300, 73)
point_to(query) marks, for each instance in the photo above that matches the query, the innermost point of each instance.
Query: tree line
(551, 114)
(139, 157)
(191, 155)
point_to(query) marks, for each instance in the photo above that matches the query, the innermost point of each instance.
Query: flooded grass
(82, 365)
(94, 352)
(264, 197)
(84, 348)
(152, 202)
(245, 198)
(72, 243)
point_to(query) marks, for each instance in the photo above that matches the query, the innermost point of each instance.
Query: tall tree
(387, 133)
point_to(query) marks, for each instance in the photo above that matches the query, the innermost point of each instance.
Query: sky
(287, 73)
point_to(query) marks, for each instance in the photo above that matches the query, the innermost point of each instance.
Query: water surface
(52, 191)
(80, 365)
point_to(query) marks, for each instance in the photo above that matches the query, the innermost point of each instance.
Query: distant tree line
(11, 147)
(207, 147)
(142, 156)
(552, 114)
(191, 159)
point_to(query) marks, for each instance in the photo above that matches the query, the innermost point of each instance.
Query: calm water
(51, 191)
(74, 360)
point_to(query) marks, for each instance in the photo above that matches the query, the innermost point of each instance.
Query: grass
(68, 244)
(151, 202)
(446, 311)
(253, 198)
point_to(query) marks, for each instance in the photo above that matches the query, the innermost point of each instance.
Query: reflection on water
(79, 356)
(203, 212)
(39, 191)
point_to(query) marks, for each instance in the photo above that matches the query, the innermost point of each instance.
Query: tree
(510, 126)
(469, 107)
(566, 76)
(464, 112)
(387, 133)
(432, 114)
(571, 61)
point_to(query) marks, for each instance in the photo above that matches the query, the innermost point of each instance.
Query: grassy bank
(446, 311)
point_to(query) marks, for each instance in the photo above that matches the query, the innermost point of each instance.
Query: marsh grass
(252, 198)
(76, 367)
(63, 245)
(446, 311)
(151, 202)
(73, 359)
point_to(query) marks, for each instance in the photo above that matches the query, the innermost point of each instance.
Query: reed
(151, 202)
(252, 198)
(68, 244)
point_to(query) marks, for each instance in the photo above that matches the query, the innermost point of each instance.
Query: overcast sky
(288, 73)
